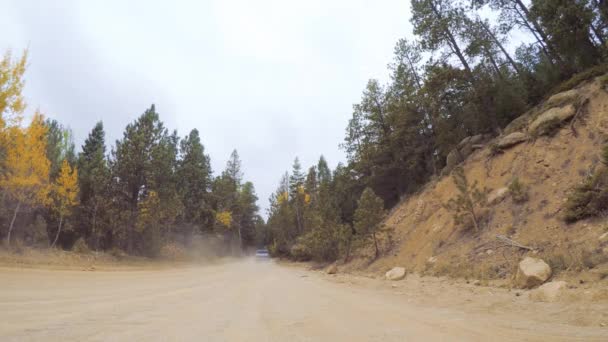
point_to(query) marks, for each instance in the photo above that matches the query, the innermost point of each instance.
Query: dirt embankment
(426, 239)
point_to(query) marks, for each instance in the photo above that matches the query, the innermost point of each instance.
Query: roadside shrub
(81, 247)
(588, 199)
(118, 253)
(173, 251)
(469, 201)
(581, 77)
(518, 191)
(300, 251)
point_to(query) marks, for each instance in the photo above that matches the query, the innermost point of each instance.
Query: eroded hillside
(555, 146)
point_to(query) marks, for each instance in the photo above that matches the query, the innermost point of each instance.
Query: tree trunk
(347, 256)
(475, 220)
(94, 228)
(10, 228)
(494, 64)
(453, 44)
(598, 35)
(501, 47)
(58, 231)
(376, 245)
(539, 30)
(240, 238)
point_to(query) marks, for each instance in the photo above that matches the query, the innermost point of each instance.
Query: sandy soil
(262, 301)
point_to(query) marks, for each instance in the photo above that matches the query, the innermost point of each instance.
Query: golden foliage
(26, 176)
(307, 199)
(65, 190)
(11, 87)
(283, 197)
(224, 218)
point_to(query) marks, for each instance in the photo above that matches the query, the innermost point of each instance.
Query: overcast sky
(274, 79)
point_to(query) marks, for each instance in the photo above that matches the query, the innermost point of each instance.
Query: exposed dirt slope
(426, 238)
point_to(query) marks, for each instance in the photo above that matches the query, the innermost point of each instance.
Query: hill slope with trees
(456, 89)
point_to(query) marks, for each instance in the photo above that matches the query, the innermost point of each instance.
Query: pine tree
(194, 181)
(233, 168)
(133, 168)
(94, 181)
(368, 218)
(297, 193)
(468, 200)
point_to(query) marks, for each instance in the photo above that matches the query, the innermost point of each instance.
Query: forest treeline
(457, 77)
(150, 189)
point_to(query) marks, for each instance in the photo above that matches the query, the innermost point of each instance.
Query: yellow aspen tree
(224, 218)
(26, 176)
(65, 192)
(12, 103)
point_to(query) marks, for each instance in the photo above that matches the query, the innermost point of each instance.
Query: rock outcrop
(562, 98)
(511, 140)
(553, 116)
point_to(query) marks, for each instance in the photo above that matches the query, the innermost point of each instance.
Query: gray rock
(556, 114)
(466, 150)
(464, 141)
(476, 139)
(511, 140)
(396, 273)
(532, 272)
(454, 158)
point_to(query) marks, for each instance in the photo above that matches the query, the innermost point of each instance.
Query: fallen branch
(512, 243)
(580, 107)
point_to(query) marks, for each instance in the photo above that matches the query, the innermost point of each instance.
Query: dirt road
(245, 301)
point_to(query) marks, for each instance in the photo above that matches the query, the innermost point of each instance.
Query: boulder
(466, 150)
(532, 272)
(498, 195)
(551, 116)
(562, 98)
(548, 292)
(511, 140)
(464, 142)
(476, 139)
(518, 123)
(396, 273)
(332, 269)
(454, 158)
(432, 260)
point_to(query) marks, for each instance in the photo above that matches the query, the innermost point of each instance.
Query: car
(262, 254)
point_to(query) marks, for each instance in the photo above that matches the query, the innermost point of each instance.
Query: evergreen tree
(94, 181)
(368, 218)
(133, 169)
(194, 182)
